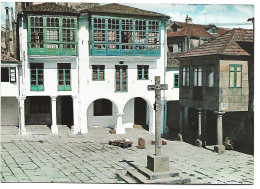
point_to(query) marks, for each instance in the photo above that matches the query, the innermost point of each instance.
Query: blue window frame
(235, 75)
(98, 73)
(143, 72)
(125, 37)
(121, 78)
(176, 80)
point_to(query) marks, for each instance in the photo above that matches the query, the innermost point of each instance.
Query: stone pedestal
(158, 163)
(219, 149)
(198, 143)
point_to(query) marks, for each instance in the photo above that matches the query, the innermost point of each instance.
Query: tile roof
(171, 62)
(196, 30)
(50, 7)
(9, 59)
(226, 44)
(115, 8)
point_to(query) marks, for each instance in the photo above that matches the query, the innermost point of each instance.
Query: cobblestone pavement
(40, 156)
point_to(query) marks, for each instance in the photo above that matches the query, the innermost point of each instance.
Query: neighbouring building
(214, 87)
(90, 68)
(9, 91)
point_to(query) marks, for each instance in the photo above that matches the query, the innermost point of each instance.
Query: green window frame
(235, 75)
(37, 76)
(52, 35)
(98, 73)
(64, 77)
(176, 80)
(143, 72)
(121, 78)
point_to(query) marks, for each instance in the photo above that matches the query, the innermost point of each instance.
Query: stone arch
(99, 113)
(130, 113)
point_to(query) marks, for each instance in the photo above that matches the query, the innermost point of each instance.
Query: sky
(223, 15)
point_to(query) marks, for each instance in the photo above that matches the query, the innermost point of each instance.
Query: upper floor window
(211, 75)
(98, 72)
(142, 72)
(64, 76)
(235, 75)
(197, 76)
(121, 78)
(54, 35)
(176, 80)
(185, 76)
(4, 74)
(124, 37)
(180, 47)
(37, 77)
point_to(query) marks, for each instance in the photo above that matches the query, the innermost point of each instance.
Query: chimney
(14, 32)
(7, 32)
(188, 20)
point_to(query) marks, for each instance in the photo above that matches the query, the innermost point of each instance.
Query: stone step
(170, 180)
(126, 178)
(137, 176)
(156, 175)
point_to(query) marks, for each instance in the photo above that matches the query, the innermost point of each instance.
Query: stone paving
(40, 156)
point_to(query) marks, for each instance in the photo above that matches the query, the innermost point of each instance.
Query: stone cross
(157, 107)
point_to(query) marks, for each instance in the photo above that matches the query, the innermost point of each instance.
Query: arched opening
(103, 113)
(137, 112)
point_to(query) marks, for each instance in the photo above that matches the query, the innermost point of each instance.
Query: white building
(90, 68)
(9, 91)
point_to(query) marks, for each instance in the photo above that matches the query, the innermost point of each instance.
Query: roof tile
(115, 8)
(50, 7)
(9, 59)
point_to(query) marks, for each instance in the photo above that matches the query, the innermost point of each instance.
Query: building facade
(90, 68)
(215, 88)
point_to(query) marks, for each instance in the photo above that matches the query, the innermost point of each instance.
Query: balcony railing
(103, 49)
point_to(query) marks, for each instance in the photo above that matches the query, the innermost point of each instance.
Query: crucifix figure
(158, 108)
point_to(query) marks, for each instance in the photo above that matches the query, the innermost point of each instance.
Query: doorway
(66, 111)
(140, 112)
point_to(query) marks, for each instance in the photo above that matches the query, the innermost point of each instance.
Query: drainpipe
(14, 33)
(165, 128)
(7, 32)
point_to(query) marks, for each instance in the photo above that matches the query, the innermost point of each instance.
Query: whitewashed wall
(9, 111)
(9, 89)
(172, 93)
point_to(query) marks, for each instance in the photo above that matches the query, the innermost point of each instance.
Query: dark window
(211, 75)
(235, 75)
(102, 107)
(143, 72)
(121, 78)
(64, 78)
(176, 80)
(40, 104)
(197, 76)
(185, 76)
(98, 72)
(37, 76)
(180, 47)
(4, 74)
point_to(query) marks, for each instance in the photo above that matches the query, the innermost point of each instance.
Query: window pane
(239, 77)
(231, 79)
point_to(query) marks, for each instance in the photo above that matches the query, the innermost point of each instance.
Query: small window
(143, 72)
(4, 74)
(197, 76)
(37, 76)
(235, 75)
(121, 78)
(185, 76)
(176, 80)
(102, 107)
(64, 76)
(98, 72)
(211, 75)
(180, 47)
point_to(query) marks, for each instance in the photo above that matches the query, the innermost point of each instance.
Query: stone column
(220, 148)
(54, 127)
(204, 128)
(22, 129)
(75, 126)
(198, 141)
(119, 125)
(181, 120)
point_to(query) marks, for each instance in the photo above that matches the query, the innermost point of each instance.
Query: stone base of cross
(158, 162)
